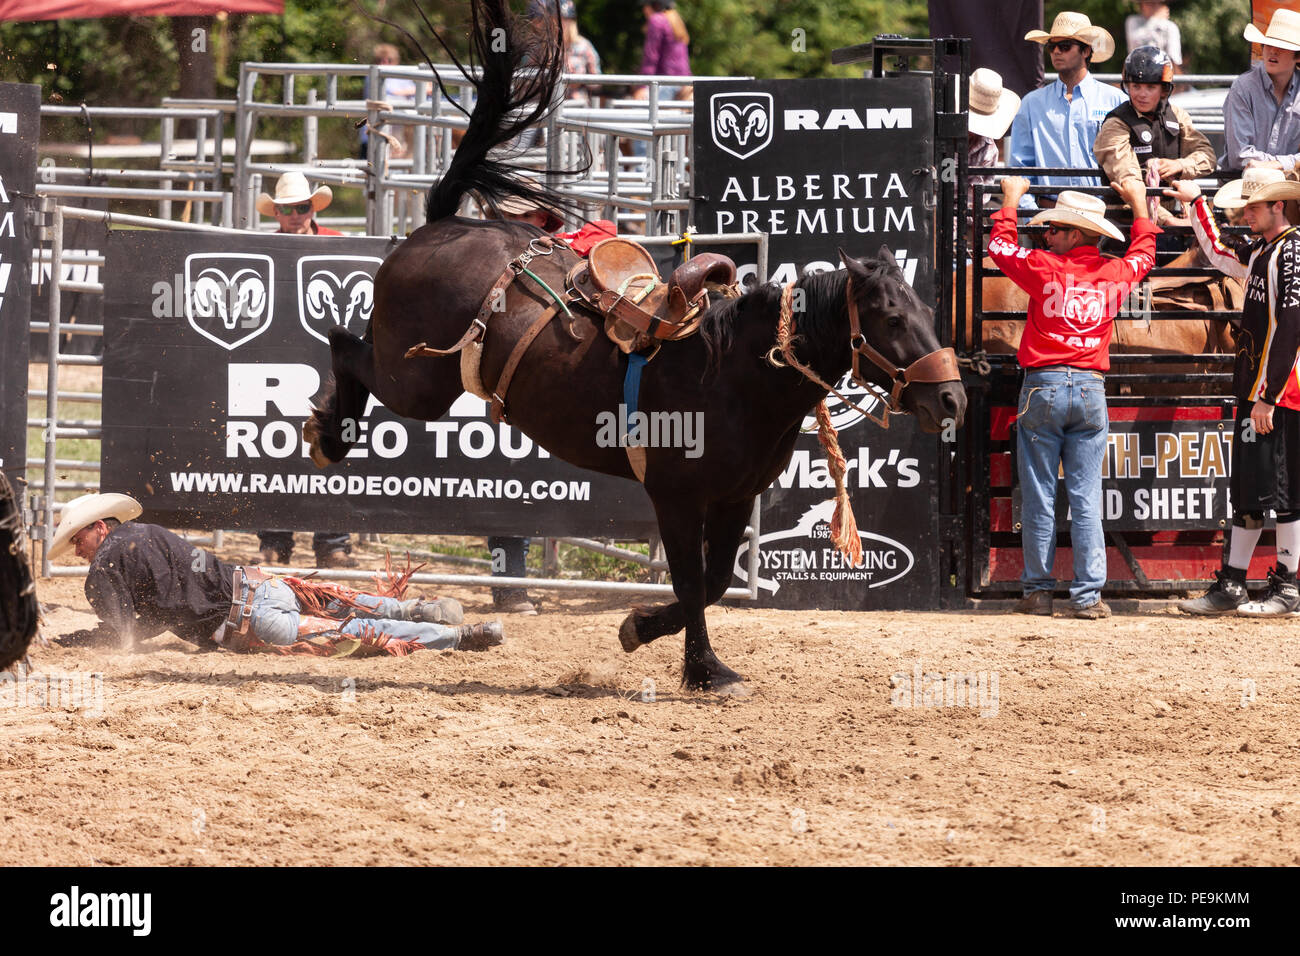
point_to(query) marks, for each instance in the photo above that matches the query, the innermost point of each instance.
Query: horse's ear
(853, 265)
(887, 256)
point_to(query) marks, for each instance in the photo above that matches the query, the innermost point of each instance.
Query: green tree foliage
(128, 61)
(785, 38)
(1211, 29)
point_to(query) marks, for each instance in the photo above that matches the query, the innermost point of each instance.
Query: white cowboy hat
(1249, 188)
(292, 188)
(1076, 26)
(81, 513)
(520, 206)
(992, 107)
(1080, 211)
(1283, 31)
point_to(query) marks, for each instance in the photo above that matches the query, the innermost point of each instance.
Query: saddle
(620, 281)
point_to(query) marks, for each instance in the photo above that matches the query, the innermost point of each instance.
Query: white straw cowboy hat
(992, 106)
(1283, 31)
(519, 206)
(1080, 211)
(1076, 26)
(292, 188)
(1251, 188)
(81, 513)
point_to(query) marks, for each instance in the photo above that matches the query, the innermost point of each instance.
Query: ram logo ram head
(742, 122)
(228, 297)
(336, 291)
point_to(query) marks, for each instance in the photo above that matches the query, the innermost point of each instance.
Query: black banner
(1161, 475)
(822, 164)
(20, 121)
(214, 349)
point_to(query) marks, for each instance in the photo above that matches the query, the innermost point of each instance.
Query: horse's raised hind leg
(327, 431)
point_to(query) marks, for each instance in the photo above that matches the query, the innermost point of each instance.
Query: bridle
(933, 367)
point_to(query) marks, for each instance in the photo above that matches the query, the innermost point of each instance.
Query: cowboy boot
(441, 611)
(479, 637)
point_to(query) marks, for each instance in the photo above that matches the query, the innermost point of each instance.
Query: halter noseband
(937, 366)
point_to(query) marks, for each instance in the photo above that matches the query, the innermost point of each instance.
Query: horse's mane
(824, 309)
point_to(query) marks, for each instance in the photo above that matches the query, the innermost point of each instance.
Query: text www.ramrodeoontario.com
(1202, 923)
(389, 486)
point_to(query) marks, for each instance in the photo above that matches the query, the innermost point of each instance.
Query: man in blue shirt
(1261, 122)
(1057, 125)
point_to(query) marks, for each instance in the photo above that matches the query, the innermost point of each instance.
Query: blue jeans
(322, 542)
(1062, 421)
(275, 618)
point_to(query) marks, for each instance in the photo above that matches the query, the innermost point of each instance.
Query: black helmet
(1148, 64)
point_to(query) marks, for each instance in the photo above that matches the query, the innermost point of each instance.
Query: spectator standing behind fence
(579, 55)
(294, 207)
(1058, 124)
(396, 91)
(1148, 132)
(992, 108)
(1265, 473)
(666, 51)
(1260, 122)
(1151, 26)
(1062, 423)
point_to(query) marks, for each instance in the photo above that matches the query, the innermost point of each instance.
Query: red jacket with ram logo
(1074, 298)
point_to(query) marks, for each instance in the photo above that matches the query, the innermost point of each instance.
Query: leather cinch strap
(516, 356)
(493, 302)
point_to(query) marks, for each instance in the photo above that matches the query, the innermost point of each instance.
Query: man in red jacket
(1062, 425)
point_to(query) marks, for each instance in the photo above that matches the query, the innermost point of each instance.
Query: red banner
(87, 9)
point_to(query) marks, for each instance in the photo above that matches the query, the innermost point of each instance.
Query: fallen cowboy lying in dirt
(144, 580)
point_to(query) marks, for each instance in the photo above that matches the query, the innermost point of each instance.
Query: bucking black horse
(751, 397)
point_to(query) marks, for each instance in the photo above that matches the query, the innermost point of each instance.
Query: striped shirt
(1268, 338)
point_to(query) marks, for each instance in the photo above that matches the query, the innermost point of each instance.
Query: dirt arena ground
(1144, 739)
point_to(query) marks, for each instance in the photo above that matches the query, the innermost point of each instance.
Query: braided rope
(844, 526)
(785, 342)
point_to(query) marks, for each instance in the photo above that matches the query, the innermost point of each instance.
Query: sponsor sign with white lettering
(1162, 476)
(817, 165)
(20, 118)
(212, 359)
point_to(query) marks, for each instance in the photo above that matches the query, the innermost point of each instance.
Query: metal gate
(1171, 416)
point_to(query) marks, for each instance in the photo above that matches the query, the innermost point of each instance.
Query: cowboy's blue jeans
(1062, 425)
(276, 613)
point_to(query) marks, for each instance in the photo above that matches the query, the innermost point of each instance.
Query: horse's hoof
(627, 635)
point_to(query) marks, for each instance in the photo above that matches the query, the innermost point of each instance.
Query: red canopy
(86, 9)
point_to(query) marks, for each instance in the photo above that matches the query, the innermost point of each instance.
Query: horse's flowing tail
(521, 67)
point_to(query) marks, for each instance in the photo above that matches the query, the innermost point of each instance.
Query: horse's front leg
(724, 524)
(681, 526)
(689, 531)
